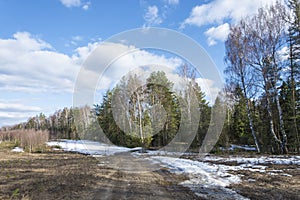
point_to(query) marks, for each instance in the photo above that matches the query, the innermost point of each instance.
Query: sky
(43, 44)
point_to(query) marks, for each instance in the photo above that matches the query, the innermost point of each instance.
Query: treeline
(68, 123)
(261, 97)
(262, 56)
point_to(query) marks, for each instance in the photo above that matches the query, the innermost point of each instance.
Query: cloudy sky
(44, 43)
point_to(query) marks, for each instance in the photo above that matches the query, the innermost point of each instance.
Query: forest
(261, 96)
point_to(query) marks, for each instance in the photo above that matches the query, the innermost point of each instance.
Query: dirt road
(59, 175)
(133, 178)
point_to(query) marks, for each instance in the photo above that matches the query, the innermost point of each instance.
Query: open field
(63, 175)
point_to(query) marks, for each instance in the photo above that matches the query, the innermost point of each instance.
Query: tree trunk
(140, 119)
(249, 115)
(281, 124)
(251, 126)
(271, 115)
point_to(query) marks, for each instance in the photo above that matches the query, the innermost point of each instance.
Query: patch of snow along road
(90, 147)
(205, 179)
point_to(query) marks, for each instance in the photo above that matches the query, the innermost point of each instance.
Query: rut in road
(128, 177)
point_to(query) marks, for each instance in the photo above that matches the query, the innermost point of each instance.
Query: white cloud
(76, 3)
(173, 2)
(219, 10)
(218, 33)
(71, 3)
(152, 17)
(131, 59)
(106, 66)
(74, 41)
(30, 64)
(207, 86)
(22, 41)
(81, 53)
(16, 112)
(86, 6)
(17, 107)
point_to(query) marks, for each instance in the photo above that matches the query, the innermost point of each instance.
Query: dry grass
(30, 140)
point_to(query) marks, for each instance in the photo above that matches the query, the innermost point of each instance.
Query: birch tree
(266, 32)
(240, 74)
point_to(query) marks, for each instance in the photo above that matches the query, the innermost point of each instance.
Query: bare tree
(239, 72)
(266, 32)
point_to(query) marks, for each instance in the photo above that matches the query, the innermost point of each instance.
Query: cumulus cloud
(152, 17)
(81, 53)
(131, 58)
(219, 10)
(218, 33)
(30, 64)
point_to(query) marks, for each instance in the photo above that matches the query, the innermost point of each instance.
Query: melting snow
(90, 147)
(205, 179)
(208, 173)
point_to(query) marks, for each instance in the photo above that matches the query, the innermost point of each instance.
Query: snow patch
(274, 160)
(205, 179)
(17, 149)
(90, 147)
(233, 147)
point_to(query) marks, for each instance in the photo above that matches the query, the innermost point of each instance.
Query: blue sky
(43, 43)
